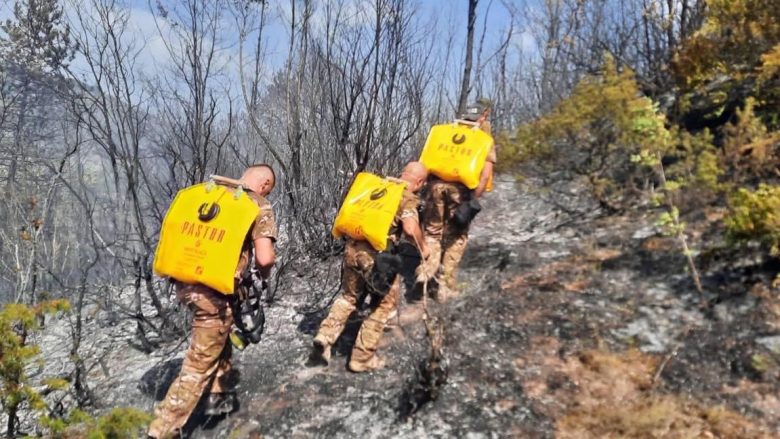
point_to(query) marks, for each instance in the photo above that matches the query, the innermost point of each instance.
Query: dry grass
(600, 394)
(614, 400)
(653, 416)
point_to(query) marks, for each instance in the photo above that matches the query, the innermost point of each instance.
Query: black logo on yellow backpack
(458, 138)
(377, 194)
(207, 213)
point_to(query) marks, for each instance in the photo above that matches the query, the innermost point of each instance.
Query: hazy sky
(446, 13)
(443, 17)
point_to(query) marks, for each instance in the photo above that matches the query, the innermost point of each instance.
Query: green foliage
(695, 166)
(119, 423)
(698, 162)
(734, 37)
(750, 151)
(608, 131)
(751, 156)
(38, 37)
(755, 215)
(645, 158)
(770, 65)
(708, 170)
(735, 55)
(56, 383)
(594, 132)
(17, 322)
(670, 223)
(768, 86)
(761, 363)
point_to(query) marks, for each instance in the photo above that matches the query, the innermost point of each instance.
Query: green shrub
(119, 423)
(17, 323)
(755, 215)
(751, 152)
(594, 132)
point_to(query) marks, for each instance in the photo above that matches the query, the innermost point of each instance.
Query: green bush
(755, 215)
(751, 152)
(600, 131)
(119, 423)
(17, 323)
(733, 56)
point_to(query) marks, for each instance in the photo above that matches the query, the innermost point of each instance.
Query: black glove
(466, 212)
(386, 267)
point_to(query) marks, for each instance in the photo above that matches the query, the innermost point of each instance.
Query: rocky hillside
(570, 324)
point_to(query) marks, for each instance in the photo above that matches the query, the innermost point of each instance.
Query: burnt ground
(570, 324)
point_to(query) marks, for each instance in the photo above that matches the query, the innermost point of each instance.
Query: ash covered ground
(570, 323)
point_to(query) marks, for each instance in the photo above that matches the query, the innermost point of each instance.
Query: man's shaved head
(414, 174)
(259, 178)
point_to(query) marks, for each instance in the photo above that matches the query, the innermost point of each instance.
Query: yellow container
(201, 243)
(456, 153)
(368, 211)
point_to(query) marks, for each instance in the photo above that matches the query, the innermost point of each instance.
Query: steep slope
(281, 397)
(570, 324)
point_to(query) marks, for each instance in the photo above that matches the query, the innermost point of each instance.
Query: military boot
(374, 363)
(320, 353)
(220, 404)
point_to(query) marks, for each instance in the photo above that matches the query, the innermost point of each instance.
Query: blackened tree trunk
(465, 86)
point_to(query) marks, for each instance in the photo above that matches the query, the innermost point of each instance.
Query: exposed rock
(772, 343)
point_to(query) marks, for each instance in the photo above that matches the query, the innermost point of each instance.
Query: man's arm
(265, 255)
(412, 229)
(487, 171)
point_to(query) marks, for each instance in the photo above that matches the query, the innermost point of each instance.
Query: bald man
(359, 260)
(207, 361)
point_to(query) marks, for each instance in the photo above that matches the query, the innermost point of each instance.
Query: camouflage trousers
(358, 262)
(442, 265)
(206, 363)
(446, 242)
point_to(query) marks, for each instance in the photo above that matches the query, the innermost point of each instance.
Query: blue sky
(446, 18)
(444, 13)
